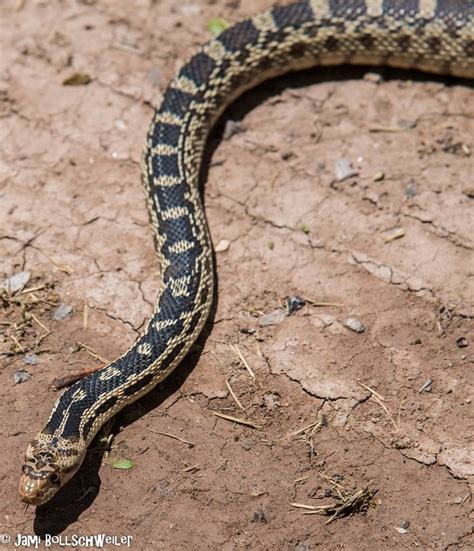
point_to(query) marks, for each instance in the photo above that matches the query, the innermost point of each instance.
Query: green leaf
(217, 25)
(304, 228)
(120, 463)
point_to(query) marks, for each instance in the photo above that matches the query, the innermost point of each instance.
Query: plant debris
(24, 331)
(347, 502)
(397, 233)
(236, 349)
(77, 79)
(217, 25)
(119, 462)
(174, 437)
(237, 420)
(304, 228)
(306, 433)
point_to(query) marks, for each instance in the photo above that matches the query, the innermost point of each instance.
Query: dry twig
(236, 349)
(232, 393)
(236, 420)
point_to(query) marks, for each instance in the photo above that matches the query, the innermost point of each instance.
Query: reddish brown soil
(72, 213)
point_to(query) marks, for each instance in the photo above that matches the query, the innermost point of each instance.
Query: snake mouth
(31, 500)
(34, 491)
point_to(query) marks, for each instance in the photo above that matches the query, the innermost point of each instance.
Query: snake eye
(54, 478)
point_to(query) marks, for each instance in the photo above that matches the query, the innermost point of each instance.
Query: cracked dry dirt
(72, 213)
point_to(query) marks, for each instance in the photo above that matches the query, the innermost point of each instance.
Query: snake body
(431, 35)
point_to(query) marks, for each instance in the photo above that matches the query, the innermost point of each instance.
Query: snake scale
(435, 36)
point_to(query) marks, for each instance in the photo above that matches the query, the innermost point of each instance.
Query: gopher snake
(431, 35)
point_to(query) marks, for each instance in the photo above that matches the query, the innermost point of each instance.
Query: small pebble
(62, 311)
(372, 197)
(343, 169)
(31, 359)
(273, 318)
(427, 386)
(462, 342)
(445, 313)
(230, 129)
(294, 304)
(402, 123)
(410, 189)
(16, 282)
(354, 325)
(20, 376)
(373, 77)
(222, 246)
(404, 524)
(287, 155)
(379, 176)
(272, 400)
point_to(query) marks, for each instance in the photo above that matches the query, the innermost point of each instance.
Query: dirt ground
(331, 411)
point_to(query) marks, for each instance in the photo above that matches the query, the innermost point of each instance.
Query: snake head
(46, 469)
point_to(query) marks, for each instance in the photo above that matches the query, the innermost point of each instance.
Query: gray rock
(273, 318)
(62, 311)
(21, 376)
(354, 325)
(16, 282)
(343, 169)
(31, 359)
